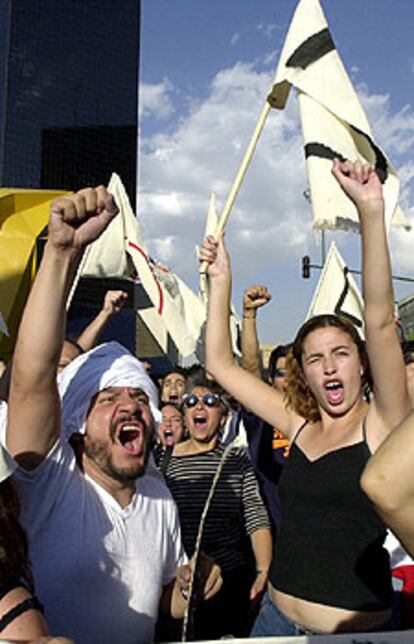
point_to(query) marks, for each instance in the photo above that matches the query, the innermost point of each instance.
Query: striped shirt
(236, 511)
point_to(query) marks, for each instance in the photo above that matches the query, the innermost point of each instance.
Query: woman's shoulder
(181, 449)
(21, 612)
(239, 457)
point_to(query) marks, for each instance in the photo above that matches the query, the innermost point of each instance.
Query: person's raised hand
(254, 297)
(359, 181)
(214, 252)
(77, 220)
(114, 301)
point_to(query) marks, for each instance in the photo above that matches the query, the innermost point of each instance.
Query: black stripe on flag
(315, 149)
(381, 164)
(322, 151)
(338, 308)
(311, 50)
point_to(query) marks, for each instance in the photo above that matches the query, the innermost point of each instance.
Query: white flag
(337, 291)
(176, 313)
(235, 326)
(333, 121)
(210, 229)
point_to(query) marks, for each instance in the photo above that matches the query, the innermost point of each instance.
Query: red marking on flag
(145, 256)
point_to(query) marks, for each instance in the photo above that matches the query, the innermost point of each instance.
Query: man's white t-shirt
(99, 569)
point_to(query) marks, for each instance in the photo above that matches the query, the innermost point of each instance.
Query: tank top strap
(31, 603)
(296, 436)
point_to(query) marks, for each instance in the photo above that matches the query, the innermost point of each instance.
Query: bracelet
(249, 317)
(264, 571)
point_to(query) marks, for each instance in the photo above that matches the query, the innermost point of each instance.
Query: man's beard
(99, 453)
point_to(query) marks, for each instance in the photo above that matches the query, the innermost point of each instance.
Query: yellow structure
(23, 216)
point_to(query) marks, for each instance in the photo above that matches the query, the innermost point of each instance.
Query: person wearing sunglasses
(236, 514)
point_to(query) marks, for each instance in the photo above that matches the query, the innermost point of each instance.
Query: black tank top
(329, 549)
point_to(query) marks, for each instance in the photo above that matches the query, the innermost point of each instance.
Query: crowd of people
(214, 501)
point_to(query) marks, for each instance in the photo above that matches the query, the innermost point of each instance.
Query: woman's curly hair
(14, 560)
(299, 396)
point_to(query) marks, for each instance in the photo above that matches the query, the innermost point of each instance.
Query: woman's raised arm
(391, 399)
(263, 400)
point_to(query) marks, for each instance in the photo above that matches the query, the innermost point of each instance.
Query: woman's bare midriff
(328, 619)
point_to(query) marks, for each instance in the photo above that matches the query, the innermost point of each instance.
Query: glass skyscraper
(68, 92)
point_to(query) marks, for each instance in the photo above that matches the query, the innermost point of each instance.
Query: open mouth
(334, 392)
(173, 398)
(131, 439)
(169, 437)
(200, 421)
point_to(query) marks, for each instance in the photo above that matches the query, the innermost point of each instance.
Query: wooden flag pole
(240, 176)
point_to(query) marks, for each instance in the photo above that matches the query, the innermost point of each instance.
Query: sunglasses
(210, 400)
(280, 373)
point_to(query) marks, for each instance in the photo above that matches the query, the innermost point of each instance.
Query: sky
(205, 71)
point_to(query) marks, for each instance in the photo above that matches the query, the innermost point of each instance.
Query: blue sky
(206, 68)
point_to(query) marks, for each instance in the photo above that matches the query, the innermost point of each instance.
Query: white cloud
(270, 59)
(264, 29)
(402, 248)
(203, 154)
(402, 242)
(406, 173)
(155, 100)
(393, 131)
(164, 247)
(163, 204)
(268, 29)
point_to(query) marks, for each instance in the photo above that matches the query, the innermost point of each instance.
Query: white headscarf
(107, 365)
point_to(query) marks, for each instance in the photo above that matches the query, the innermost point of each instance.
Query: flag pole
(240, 176)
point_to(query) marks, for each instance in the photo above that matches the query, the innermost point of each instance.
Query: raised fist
(359, 181)
(77, 220)
(254, 297)
(114, 301)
